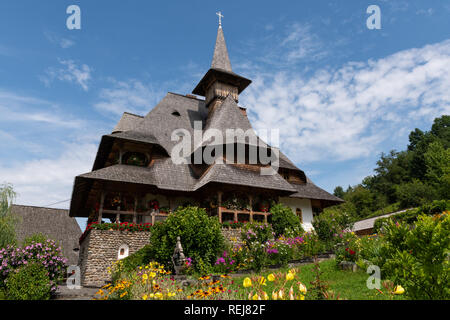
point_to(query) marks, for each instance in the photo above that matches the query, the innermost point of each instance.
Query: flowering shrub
(132, 227)
(257, 232)
(347, 248)
(47, 253)
(225, 263)
(280, 251)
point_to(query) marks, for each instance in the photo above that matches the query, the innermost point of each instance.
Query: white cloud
(132, 96)
(69, 72)
(60, 41)
(44, 181)
(346, 113)
(19, 108)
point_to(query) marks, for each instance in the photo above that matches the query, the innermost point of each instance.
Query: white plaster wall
(305, 205)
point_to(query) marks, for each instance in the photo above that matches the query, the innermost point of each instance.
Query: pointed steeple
(220, 58)
(220, 81)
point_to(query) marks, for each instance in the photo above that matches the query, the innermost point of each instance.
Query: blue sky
(339, 93)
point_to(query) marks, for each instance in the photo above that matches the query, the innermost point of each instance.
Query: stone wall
(100, 248)
(233, 235)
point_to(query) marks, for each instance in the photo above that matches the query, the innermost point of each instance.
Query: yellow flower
(271, 277)
(151, 295)
(262, 281)
(399, 290)
(158, 295)
(274, 295)
(247, 282)
(256, 297)
(144, 276)
(292, 271)
(289, 276)
(302, 288)
(152, 275)
(302, 297)
(265, 296)
(144, 297)
(291, 294)
(281, 294)
(123, 294)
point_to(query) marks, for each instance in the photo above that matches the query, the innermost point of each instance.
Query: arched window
(123, 252)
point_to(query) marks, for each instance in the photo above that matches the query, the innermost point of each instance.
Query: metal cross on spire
(220, 18)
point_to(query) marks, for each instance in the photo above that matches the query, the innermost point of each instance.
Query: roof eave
(224, 76)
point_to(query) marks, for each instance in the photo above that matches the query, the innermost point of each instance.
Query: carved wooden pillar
(135, 209)
(250, 200)
(219, 205)
(100, 210)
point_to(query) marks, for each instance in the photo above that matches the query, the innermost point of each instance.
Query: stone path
(64, 293)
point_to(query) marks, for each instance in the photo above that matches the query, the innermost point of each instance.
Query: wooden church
(135, 179)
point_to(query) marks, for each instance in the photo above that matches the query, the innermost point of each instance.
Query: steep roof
(310, 191)
(54, 223)
(127, 122)
(220, 57)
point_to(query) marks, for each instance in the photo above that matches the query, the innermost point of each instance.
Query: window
(135, 159)
(123, 252)
(176, 114)
(298, 212)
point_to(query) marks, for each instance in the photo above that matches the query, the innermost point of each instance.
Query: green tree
(7, 220)
(437, 160)
(415, 193)
(339, 192)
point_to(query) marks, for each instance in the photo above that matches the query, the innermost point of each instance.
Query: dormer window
(135, 159)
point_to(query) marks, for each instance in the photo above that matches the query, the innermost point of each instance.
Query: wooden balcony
(222, 211)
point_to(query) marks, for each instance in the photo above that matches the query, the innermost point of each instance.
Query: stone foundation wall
(233, 235)
(100, 249)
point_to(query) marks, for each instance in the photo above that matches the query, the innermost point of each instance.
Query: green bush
(410, 216)
(331, 223)
(201, 237)
(284, 220)
(30, 282)
(35, 238)
(417, 258)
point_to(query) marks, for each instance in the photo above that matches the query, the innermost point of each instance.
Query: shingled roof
(53, 223)
(220, 57)
(310, 191)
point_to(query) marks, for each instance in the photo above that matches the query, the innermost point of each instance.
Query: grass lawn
(349, 285)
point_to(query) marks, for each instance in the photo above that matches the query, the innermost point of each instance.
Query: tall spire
(220, 81)
(220, 58)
